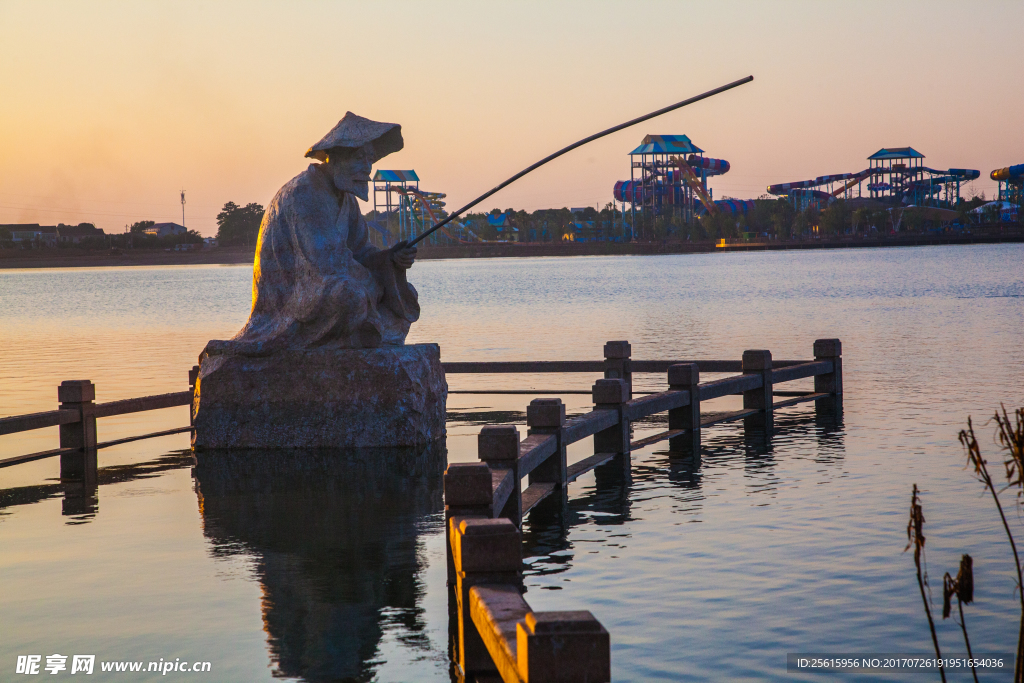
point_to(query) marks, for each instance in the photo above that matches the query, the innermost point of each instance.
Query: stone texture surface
(388, 396)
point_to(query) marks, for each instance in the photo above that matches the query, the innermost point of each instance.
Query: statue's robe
(317, 281)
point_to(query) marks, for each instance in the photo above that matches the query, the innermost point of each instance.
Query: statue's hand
(403, 255)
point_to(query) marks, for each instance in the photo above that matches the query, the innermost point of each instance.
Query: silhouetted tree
(239, 224)
(834, 218)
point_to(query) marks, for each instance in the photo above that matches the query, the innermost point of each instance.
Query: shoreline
(245, 255)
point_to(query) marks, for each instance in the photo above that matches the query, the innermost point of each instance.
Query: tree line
(239, 225)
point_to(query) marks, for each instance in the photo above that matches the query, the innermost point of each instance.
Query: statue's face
(350, 169)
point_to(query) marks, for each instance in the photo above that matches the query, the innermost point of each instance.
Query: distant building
(210, 241)
(73, 234)
(165, 229)
(584, 231)
(32, 233)
(503, 227)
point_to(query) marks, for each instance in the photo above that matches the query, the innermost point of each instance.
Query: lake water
(317, 569)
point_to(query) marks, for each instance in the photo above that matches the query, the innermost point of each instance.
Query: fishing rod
(614, 129)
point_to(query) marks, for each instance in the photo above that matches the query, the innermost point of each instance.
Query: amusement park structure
(397, 194)
(895, 175)
(1011, 183)
(669, 176)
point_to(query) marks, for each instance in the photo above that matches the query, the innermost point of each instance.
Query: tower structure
(388, 202)
(668, 176)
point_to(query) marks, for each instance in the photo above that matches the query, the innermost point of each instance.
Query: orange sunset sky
(109, 109)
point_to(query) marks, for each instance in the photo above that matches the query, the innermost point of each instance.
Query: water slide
(431, 202)
(734, 206)
(1013, 174)
(851, 180)
(695, 183)
(634, 191)
(930, 185)
(854, 180)
(961, 174)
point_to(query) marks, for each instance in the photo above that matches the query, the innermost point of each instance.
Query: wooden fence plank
(662, 366)
(535, 449)
(801, 371)
(728, 386)
(717, 418)
(527, 392)
(578, 469)
(50, 418)
(800, 399)
(655, 438)
(524, 366)
(502, 485)
(535, 493)
(540, 366)
(137, 405)
(579, 428)
(495, 611)
(140, 437)
(656, 403)
(29, 457)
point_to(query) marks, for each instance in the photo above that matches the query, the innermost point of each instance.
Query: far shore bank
(70, 258)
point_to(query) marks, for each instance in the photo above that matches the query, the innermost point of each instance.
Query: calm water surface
(313, 568)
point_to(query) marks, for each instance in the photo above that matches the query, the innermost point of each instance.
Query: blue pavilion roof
(395, 177)
(896, 153)
(667, 144)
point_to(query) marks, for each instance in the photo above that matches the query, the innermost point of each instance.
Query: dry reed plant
(915, 539)
(1010, 436)
(963, 588)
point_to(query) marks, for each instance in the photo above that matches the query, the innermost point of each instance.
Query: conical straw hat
(354, 131)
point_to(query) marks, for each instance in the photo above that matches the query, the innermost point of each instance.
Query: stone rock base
(324, 398)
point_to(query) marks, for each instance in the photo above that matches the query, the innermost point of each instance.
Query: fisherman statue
(322, 360)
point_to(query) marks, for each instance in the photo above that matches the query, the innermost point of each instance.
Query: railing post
(612, 394)
(193, 376)
(486, 551)
(498, 446)
(685, 377)
(78, 395)
(616, 363)
(759, 362)
(467, 492)
(830, 350)
(547, 416)
(563, 647)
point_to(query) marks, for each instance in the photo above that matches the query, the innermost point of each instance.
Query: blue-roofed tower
(895, 172)
(668, 178)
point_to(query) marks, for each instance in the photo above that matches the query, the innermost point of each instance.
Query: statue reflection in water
(335, 535)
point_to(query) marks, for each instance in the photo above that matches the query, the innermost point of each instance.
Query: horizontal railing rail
(495, 622)
(579, 428)
(593, 366)
(729, 386)
(655, 403)
(25, 423)
(523, 366)
(30, 457)
(55, 418)
(144, 403)
(801, 371)
(77, 417)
